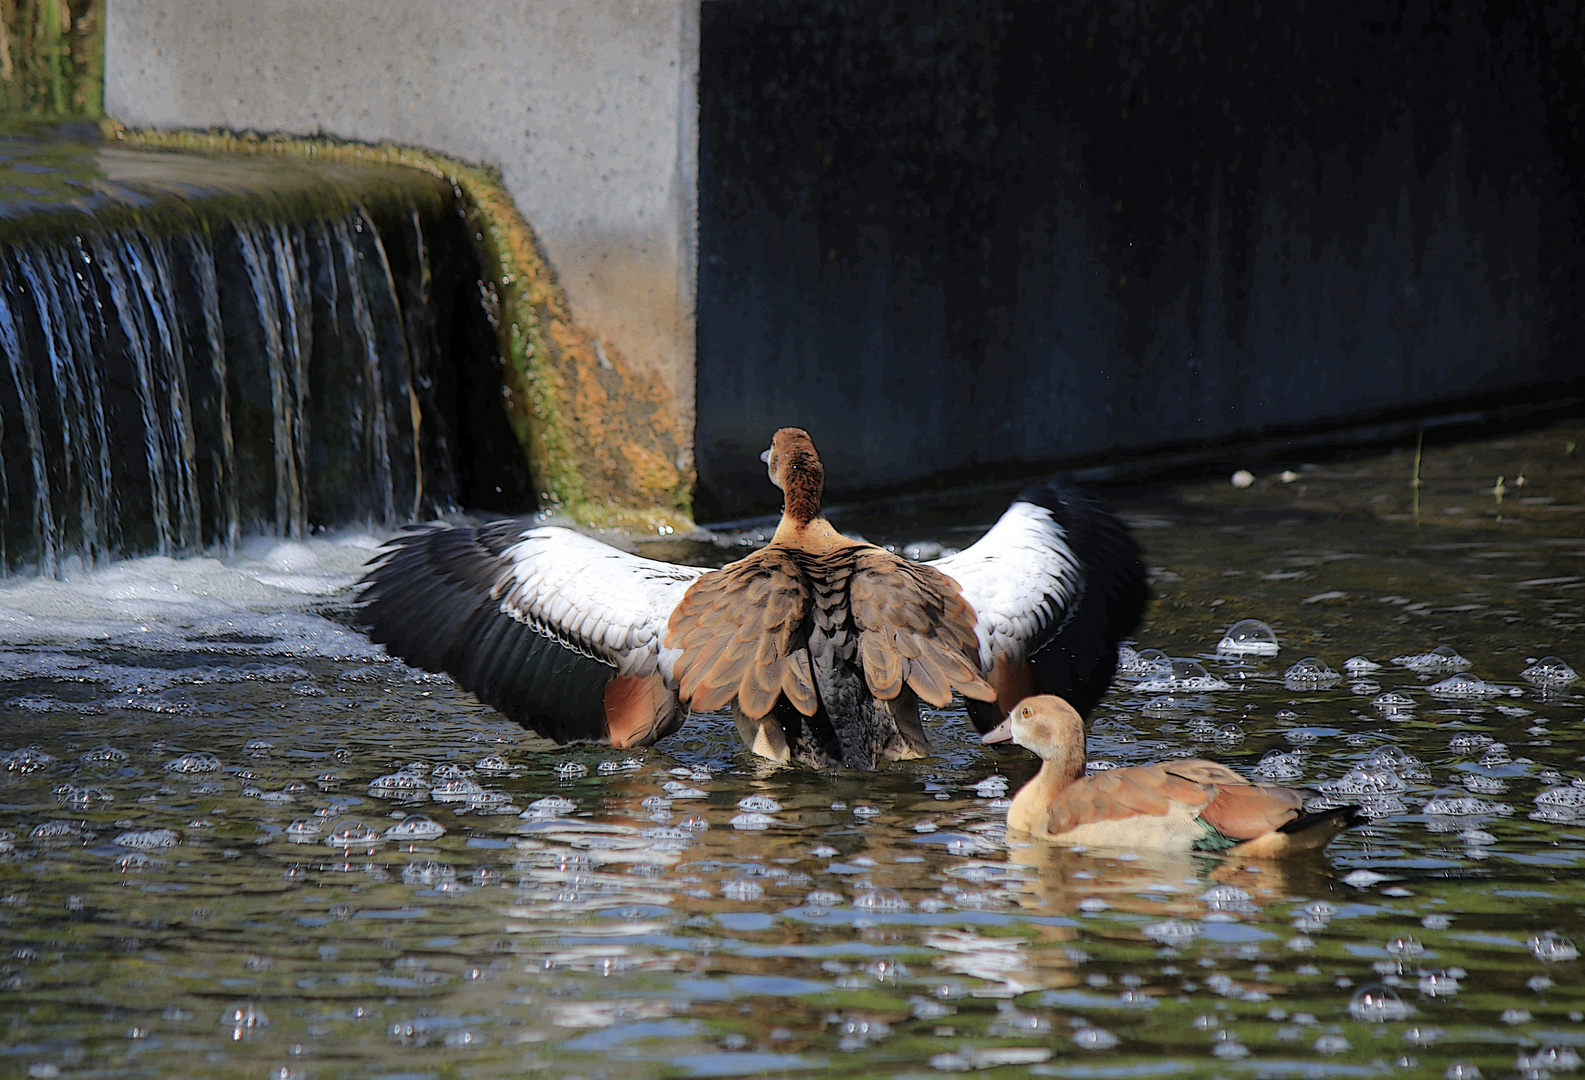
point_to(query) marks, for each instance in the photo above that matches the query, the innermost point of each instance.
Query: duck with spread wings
(822, 645)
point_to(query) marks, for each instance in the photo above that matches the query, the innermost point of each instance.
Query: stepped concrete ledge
(587, 108)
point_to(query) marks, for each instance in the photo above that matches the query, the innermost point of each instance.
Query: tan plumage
(1180, 805)
(776, 624)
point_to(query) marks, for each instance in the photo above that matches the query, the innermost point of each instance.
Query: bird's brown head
(795, 468)
(1044, 723)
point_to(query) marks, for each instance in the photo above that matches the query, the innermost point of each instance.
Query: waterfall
(165, 393)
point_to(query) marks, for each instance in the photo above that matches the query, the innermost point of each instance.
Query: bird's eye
(1028, 711)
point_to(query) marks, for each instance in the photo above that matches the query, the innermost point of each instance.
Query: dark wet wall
(945, 236)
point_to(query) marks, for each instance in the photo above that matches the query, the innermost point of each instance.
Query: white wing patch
(1022, 580)
(594, 598)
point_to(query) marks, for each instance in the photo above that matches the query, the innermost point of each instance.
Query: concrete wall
(957, 236)
(588, 108)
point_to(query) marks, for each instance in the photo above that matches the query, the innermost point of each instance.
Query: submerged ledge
(601, 439)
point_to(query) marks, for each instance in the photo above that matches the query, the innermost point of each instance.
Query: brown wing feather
(736, 629)
(915, 628)
(1243, 811)
(1135, 791)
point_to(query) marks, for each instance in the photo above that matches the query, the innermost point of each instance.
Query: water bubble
(193, 763)
(26, 760)
(742, 889)
(415, 827)
(350, 833)
(428, 873)
(1405, 948)
(1514, 1016)
(1440, 659)
(1548, 672)
(1093, 905)
(823, 898)
(403, 787)
(149, 839)
(1454, 806)
(494, 765)
(1550, 947)
(1393, 703)
(1248, 637)
(1094, 1038)
(244, 1019)
(1142, 662)
(1434, 984)
(992, 787)
(571, 770)
(1330, 1044)
(758, 804)
(865, 811)
(1365, 780)
(1462, 1070)
(1310, 673)
(1172, 932)
(1560, 804)
(885, 900)
(1551, 1059)
(609, 768)
(1359, 665)
(752, 821)
(549, 807)
(1401, 762)
(302, 831)
(133, 861)
(1184, 677)
(678, 790)
(1463, 687)
(103, 755)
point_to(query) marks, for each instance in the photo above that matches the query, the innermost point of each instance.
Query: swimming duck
(1185, 805)
(823, 645)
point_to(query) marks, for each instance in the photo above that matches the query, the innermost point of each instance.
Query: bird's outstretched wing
(560, 632)
(1057, 581)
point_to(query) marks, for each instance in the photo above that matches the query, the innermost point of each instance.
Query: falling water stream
(198, 348)
(240, 842)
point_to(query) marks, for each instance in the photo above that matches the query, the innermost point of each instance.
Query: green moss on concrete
(602, 440)
(52, 58)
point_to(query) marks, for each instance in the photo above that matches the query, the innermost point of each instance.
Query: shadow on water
(238, 840)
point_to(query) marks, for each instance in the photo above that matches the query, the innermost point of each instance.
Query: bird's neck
(802, 523)
(1056, 773)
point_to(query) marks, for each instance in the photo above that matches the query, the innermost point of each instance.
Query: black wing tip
(1346, 817)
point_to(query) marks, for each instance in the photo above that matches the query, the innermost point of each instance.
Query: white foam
(270, 589)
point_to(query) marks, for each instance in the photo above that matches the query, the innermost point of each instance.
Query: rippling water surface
(239, 842)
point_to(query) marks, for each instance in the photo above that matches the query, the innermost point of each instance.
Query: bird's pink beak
(1002, 732)
(765, 457)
